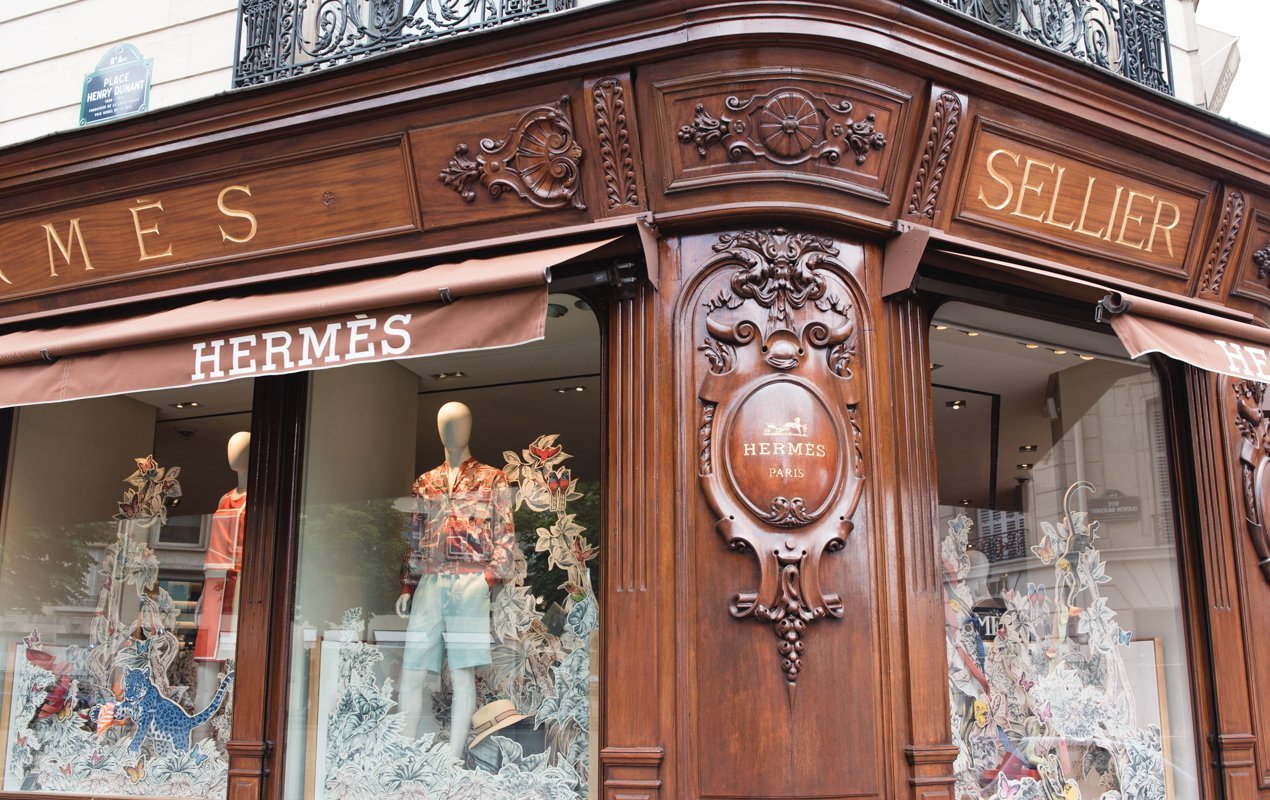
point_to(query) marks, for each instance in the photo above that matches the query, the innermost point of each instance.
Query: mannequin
(219, 602)
(461, 540)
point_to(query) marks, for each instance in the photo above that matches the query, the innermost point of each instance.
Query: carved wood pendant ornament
(538, 161)
(1254, 461)
(780, 444)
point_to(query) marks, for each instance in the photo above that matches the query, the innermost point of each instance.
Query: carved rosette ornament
(779, 437)
(787, 126)
(1254, 461)
(538, 161)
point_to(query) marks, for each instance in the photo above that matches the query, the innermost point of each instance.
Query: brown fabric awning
(470, 305)
(1208, 341)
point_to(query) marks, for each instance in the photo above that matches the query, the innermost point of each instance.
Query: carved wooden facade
(772, 605)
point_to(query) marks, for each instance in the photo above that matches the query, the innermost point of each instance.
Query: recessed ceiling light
(1024, 466)
(963, 502)
(941, 327)
(972, 333)
(956, 405)
(582, 305)
(1031, 345)
(186, 404)
(1084, 357)
(1028, 448)
(555, 310)
(570, 389)
(1060, 352)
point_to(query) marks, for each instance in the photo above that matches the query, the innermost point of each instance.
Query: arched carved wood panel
(780, 669)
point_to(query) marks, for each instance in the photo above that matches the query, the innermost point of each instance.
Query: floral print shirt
(461, 530)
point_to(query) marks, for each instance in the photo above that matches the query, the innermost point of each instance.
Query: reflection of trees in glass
(545, 581)
(352, 555)
(49, 565)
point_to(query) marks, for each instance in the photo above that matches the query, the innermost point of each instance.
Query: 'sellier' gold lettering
(1035, 188)
(1058, 187)
(1156, 227)
(76, 236)
(992, 171)
(1115, 207)
(142, 232)
(240, 213)
(1084, 211)
(1128, 215)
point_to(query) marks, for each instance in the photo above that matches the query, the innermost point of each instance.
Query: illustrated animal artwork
(160, 718)
(55, 703)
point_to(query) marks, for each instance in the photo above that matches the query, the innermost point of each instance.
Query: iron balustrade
(281, 38)
(1129, 37)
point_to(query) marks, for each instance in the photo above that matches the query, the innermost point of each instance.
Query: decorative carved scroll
(1254, 460)
(787, 126)
(616, 156)
(1232, 219)
(939, 144)
(781, 458)
(1262, 259)
(538, 161)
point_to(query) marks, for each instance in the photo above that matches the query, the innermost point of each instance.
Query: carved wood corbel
(781, 453)
(538, 161)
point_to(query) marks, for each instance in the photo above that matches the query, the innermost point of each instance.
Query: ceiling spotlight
(449, 376)
(186, 404)
(555, 310)
(568, 389)
(972, 333)
(1028, 448)
(956, 405)
(941, 327)
(1084, 357)
(963, 502)
(1060, 352)
(1024, 466)
(1031, 345)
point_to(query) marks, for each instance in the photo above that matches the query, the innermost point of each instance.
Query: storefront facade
(746, 309)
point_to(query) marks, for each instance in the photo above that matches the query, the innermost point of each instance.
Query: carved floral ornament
(1262, 259)
(787, 126)
(539, 161)
(780, 455)
(1254, 461)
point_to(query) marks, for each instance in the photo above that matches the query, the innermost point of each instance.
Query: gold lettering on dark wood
(236, 212)
(1029, 188)
(153, 230)
(75, 236)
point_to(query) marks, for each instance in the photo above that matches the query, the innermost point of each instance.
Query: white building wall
(50, 45)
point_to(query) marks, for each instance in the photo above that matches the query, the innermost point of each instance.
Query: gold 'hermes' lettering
(235, 212)
(76, 236)
(805, 449)
(152, 230)
(1048, 192)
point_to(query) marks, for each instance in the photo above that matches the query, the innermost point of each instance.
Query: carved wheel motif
(781, 455)
(787, 126)
(538, 161)
(1254, 460)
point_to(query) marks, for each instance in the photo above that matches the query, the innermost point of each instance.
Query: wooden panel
(824, 128)
(613, 136)
(780, 670)
(1066, 195)
(357, 193)
(1253, 258)
(506, 164)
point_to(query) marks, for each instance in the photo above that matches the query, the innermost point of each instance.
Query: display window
(123, 544)
(444, 630)
(1067, 656)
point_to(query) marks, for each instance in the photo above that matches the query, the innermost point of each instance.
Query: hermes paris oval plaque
(784, 454)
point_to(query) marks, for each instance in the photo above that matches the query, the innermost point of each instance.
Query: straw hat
(493, 717)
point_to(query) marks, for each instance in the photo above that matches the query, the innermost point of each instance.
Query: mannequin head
(454, 425)
(237, 452)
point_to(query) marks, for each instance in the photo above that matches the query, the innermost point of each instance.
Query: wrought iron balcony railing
(1125, 36)
(282, 38)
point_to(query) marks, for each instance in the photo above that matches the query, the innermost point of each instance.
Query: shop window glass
(445, 629)
(122, 547)
(1066, 644)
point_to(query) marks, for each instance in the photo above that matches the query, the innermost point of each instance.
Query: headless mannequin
(454, 424)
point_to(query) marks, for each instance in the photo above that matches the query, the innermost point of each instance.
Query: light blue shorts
(449, 616)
